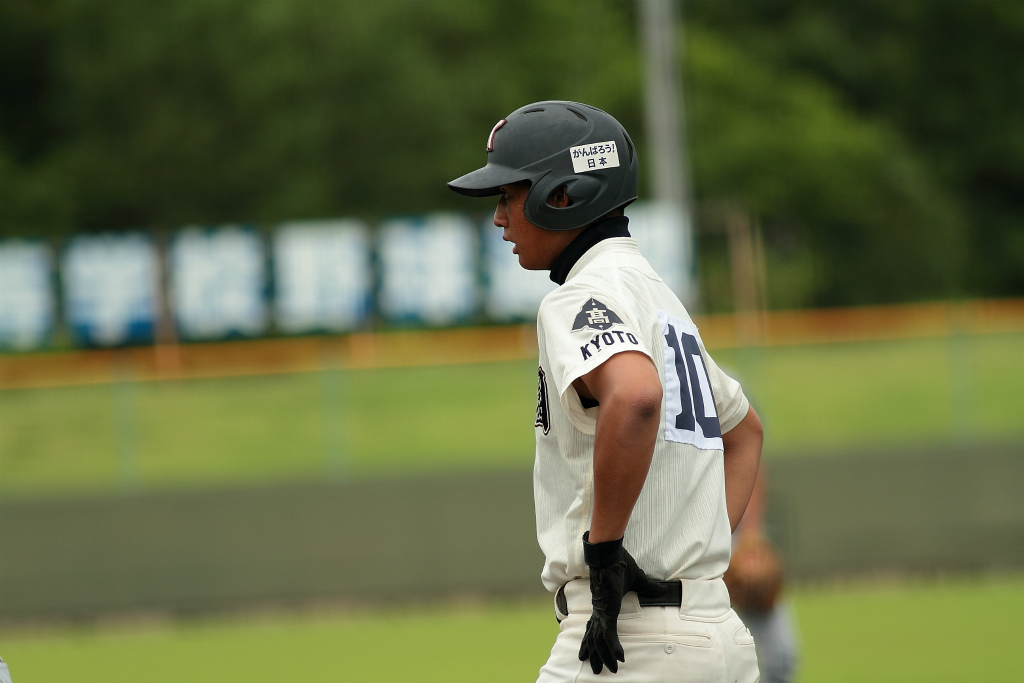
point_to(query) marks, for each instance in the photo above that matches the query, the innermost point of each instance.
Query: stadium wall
(414, 539)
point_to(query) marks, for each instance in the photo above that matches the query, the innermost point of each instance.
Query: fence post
(126, 421)
(332, 399)
(963, 370)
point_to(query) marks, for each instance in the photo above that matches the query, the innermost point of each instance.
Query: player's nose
(500, 216)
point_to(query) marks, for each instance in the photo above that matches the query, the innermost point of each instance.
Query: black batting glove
(613, 573)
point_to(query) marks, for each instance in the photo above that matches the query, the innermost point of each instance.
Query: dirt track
(512, 342)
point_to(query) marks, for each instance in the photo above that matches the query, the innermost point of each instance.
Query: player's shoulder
(621, 254)
(584, 286)
(591, 304)
(613, 274)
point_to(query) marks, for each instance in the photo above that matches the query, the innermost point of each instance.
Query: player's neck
(605, 228)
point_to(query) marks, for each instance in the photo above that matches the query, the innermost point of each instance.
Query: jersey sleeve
(730, 401)
(583, 327)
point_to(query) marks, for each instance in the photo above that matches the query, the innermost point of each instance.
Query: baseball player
(5, 673)
(646, 451)
(755, 583)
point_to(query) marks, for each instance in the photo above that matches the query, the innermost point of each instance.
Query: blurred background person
(755, 579)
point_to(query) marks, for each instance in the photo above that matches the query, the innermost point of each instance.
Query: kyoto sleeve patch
(595, 316)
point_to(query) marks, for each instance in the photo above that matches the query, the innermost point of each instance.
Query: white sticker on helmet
(594, 157)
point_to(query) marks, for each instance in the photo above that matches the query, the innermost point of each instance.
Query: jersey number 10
(690, 402)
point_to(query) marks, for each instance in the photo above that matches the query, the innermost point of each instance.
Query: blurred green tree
(163, 114)
(878, 143)
(945, 77)
(841, 197)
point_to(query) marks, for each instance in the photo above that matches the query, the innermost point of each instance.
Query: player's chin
(530, 264)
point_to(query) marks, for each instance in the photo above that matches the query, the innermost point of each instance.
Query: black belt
(672, 596)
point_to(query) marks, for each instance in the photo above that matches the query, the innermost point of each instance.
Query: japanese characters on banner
(26, 295)
(428, 269)
(662, 233)
(110, 288)
(322, 275)
(218, 282)
(513, 293)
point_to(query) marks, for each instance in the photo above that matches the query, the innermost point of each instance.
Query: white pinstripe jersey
(613, 301)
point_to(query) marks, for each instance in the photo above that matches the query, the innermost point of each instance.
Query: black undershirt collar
(616, 226)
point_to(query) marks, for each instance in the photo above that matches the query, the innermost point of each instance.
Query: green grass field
(936, 632)
(154, 434)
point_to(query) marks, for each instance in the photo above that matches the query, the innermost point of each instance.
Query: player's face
(535, 246)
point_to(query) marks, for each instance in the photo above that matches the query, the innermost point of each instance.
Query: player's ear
(559, 197)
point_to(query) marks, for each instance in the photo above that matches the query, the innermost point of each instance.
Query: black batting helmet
(557, 143)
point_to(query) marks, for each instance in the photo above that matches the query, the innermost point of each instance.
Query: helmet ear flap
(582, 188)
(582, 191)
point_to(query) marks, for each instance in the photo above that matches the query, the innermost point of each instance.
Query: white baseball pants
(701, 641)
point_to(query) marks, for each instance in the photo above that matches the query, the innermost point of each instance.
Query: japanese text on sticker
(594, 156)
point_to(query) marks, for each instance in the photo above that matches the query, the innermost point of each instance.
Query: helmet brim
(484, 182)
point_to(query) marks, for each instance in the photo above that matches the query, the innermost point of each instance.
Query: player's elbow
(645, 403)
(629, 387)
(639, 404)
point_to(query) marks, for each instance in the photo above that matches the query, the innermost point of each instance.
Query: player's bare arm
(628, 388)
(742, 446)
(753, 516)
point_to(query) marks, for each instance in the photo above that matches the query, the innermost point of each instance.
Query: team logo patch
(543, 415)
(595, 316)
